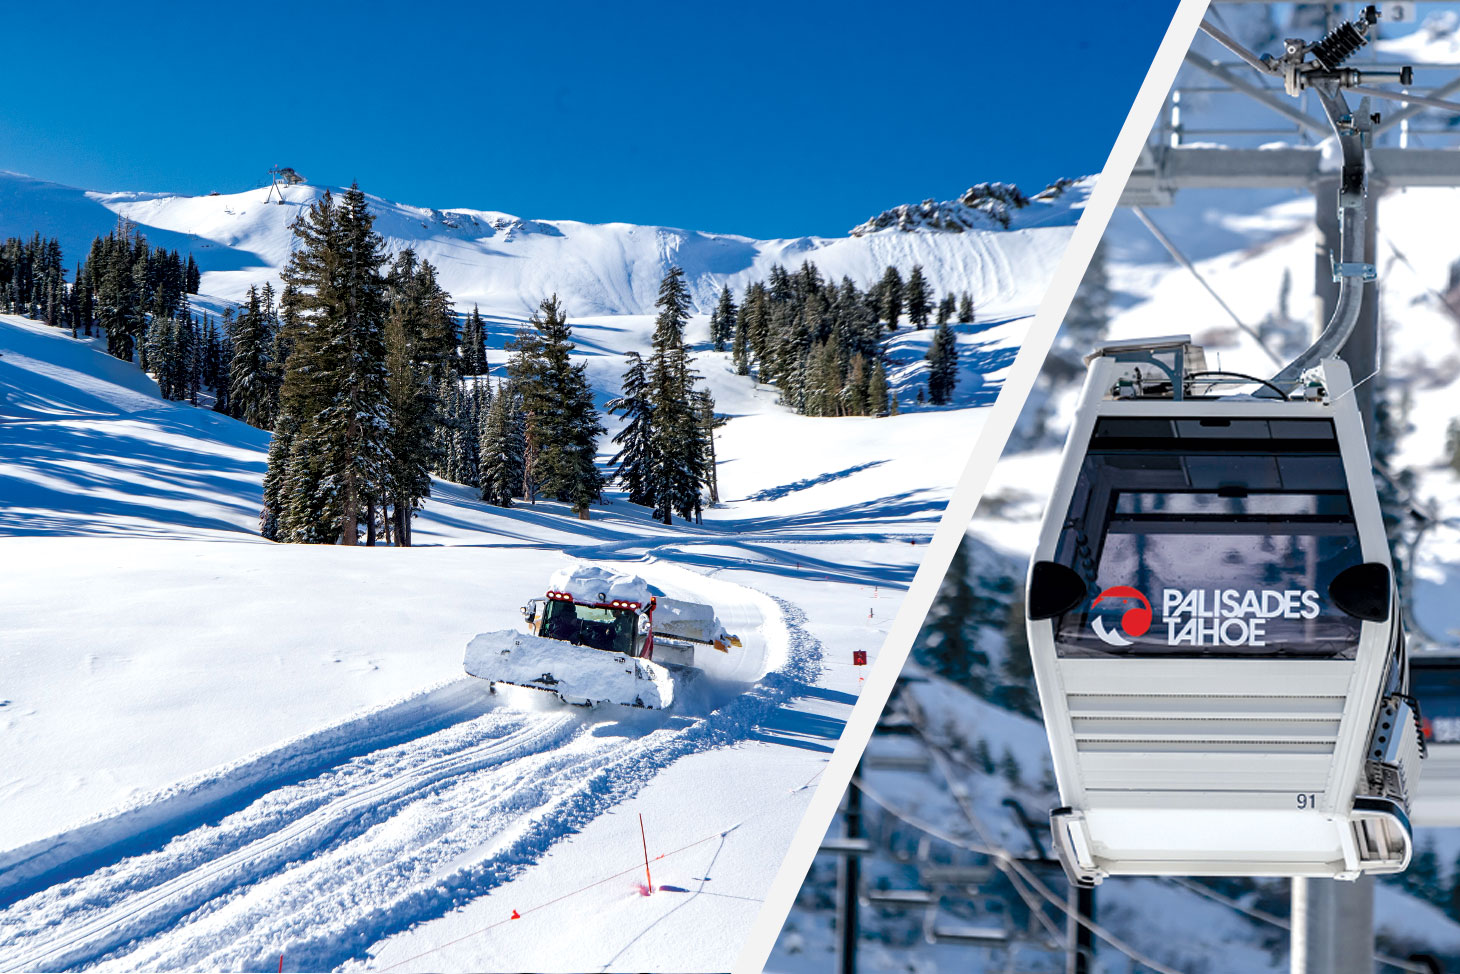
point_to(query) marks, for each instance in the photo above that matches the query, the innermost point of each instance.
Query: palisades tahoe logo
(1201, 617)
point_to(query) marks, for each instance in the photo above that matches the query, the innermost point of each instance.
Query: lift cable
(1406, 98)
(1001, 854)
(1181, 259)
(960, 796)
(1016, 879)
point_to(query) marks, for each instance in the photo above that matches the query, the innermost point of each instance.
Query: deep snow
(220, 750)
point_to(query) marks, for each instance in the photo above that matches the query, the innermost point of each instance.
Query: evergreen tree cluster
(188, 356)
(666, 458)
(33, 282)
(538, 431)
(330, 461)
(125, 284)
(258, 348)
(820, 341)
(360, 374)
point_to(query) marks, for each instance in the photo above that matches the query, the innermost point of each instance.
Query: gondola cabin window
(1209, 538)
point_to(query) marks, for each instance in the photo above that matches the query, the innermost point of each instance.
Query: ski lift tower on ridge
(279, 177)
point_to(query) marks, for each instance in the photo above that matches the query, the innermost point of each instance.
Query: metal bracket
(1341, 269)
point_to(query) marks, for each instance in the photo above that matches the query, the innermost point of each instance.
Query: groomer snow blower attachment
(600, 636)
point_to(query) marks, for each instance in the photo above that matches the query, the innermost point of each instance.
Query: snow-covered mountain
(508, 264)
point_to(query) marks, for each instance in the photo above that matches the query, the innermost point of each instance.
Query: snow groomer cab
(1214, 629)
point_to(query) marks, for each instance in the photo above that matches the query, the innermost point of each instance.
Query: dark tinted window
(1210, 538)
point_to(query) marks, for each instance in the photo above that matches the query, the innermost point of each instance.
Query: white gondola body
(1233, 765)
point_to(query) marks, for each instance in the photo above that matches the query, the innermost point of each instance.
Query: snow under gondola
(1214, 629)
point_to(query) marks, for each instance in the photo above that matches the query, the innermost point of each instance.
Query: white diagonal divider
(986, 451)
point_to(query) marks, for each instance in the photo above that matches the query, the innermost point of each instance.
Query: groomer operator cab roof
(1214, 629)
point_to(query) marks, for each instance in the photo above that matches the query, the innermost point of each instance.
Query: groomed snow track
(441, 799)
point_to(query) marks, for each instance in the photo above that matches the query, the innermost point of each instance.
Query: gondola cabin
(1214, 630)
(1435, 682)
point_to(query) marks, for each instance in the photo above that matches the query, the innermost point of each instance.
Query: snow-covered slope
(508, 264)
(219, 750)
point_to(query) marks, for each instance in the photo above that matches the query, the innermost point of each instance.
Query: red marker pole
(643, 838)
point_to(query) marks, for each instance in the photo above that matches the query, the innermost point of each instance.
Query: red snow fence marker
(281, 964)
(859, 657)
(515, 916)
(648, 882)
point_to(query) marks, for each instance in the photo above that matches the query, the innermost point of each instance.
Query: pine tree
(474, 344)
(499, 464)
(722, 321)
(408, 455)
(524, 371)
(947, 308)
(633, 462)
(275, 496)
(965, 308)
(1009, 769)
(889, 297)
(1423, 875)
(1452, 445)
(335, 383)
(251, 374)
(854, 392)
(740, 349)
(942, 365)
(983, 757)
(1017, 690)
(664, 458)
(917, 297)
(879, 399)
(566, 421)
(754, 321)
(194, 278)
(1089, 314)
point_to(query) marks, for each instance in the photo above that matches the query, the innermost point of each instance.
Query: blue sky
(768, 119)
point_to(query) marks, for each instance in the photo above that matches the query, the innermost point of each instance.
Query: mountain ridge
(507, 263)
